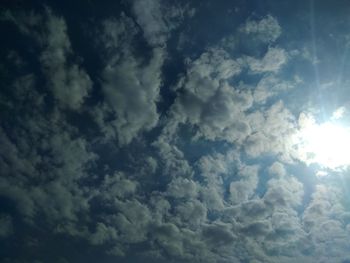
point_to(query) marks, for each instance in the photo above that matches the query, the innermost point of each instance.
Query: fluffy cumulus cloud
(244, 189)
(272, 61)
(158, 18)
(273, 130)
(130, 84)
(131, 93)
(68, 82)
(117, 145)
(207, 101)
(150, 18)
(266, 29)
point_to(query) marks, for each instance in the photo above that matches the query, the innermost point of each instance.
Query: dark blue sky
(174, 131)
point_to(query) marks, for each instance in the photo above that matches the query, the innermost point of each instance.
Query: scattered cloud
(272, 61)
(158, 18)
(130, 85)
(267, 29)
(94, 159)
(69, 83)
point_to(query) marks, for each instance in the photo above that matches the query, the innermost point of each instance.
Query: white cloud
(175, 163)
(158, 18)
(338, 113)
(213, 165)
(132, 91)
(242, 190)
(325, 205)
(257, 229)
(212, 197)
(132, 221)
(169, 237)
(272, 132)
(267, 29)
(182, 188)
(209, 103)
(103, 234)
(193, 213)
(69, 83)
(277, 169)
(130, 85)
(213, 207)
(322, 219)
(218, 234)
(270, 85)
(272, 61)
(284, 192)
(247, 211)
(150, 17)
(117, 186)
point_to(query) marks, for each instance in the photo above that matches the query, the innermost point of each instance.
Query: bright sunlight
(327, 144)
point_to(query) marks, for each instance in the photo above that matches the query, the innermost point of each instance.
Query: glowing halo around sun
(326, 144)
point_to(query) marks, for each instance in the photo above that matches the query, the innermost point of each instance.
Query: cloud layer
(148, 151)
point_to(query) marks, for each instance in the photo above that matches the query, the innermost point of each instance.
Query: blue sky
(174, 131)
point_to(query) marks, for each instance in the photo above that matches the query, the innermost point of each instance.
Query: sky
(174, 131)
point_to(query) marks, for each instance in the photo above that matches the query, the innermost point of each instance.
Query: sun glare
(327, 144)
